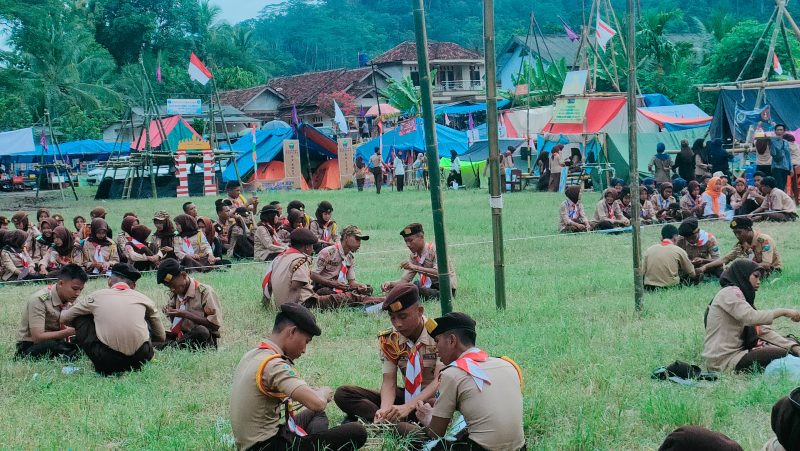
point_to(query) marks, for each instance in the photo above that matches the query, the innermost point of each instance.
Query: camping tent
(326, 176)
(782, 100)
(446, 137)
(675, 117)
(175, 128)
(535, 121)
(618, 148)
(274, 171)
(88, 149)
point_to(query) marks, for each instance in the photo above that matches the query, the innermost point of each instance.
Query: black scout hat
(451, 321)
(411, 229)
(401, 296)
(301, 317)
(688, 227)
(127, 271)
(302, 237)
(743, 223)
(167, 270)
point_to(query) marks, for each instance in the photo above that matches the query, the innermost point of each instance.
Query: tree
(403, 95)
(543, 84)
(345, 101)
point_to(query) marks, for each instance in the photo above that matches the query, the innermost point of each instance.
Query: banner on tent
(575, 83)
(346, 163)
(570, 111)
(760, 120)
(291, 162)
(184, 106)
(17, 141)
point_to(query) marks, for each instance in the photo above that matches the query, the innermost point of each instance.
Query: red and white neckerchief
(268, 275)
(135, 243)
(703, 237)
(291, 423)
(120, 286)
(424, 280)
(345, 268)
(177, 321)
(663, 203)
(98, 256)
(610, 211)
(413, 377)
(666, 242)
(468, 362)
(326, 231)
(274, 235)
(186, 245)
(572, 210)
(24, 259)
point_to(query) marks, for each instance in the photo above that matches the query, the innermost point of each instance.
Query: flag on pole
(198, 71)
(446, 120)
(338, 117)
(158, 74)
(380, 137)
(253, 129)
(571, 35)
(295, 118)
(603, 33)
(470, 122)
(776, 64)
(43, 141)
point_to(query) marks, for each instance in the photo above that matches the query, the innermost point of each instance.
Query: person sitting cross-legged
(665, 264)
(777, 205)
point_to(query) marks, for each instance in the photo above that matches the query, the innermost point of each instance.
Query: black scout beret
(688, 227)
(743, 223)
(168, 269)
(301, 317)
(127, 271)
(302, 237)
(451, 321)
(401, 296)
(411, 229)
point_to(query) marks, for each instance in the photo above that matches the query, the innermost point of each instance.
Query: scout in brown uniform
(234, 190)
(21, 222)
(751, 244)
(40, 333)
(777, 205)
(114, 326)
(335, 270)
(573, 218)
(665, 264)
(422, 262)
(324, 227)
(406, 348)
(99, 251)
(701, 247)
(190, 245)
(17, 264)
(266, 244)
(265, 383)
(289, 278)
(193, 308)
(486, 390)
(608, 214)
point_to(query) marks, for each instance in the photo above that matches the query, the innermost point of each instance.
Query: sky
(235, 11)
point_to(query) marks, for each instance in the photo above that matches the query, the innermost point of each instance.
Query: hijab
(67, 238)
(97, 225)
(573, 193)
(360, 162)
(22, 218)
(686, 151)
(692, 185)
(208, 228)
(678, 184)
(738, 275)
(187, 224)
(713, 192)
(53, 224)
(128, 223)
(661, 152)
(140, 233)
(168, 232)
(744, 182)
(786, 422)
(15, 240)
(663, 188)
(699, 149)
(692, 438)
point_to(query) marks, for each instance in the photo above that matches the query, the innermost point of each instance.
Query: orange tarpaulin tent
(274, 171)
(327, 176)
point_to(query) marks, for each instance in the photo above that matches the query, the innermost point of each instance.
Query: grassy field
(570, 324)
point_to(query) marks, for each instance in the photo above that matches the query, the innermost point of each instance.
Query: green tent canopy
(617, 144)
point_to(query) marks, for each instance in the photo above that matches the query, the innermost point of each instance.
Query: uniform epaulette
(385, 332)
(44, 297)
(298, 263)
(201, 288)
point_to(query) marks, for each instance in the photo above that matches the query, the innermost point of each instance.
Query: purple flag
(470, 122)
(295, 119)
(43, 141)
(158, 73)
(570, 34)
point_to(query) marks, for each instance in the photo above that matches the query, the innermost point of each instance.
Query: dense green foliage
(67, 54)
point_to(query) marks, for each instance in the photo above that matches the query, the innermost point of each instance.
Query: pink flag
(470, 122)
(43, 141)
(198, 71)
(446, 120)
(776, 64)
(571, 35)
(158, 74)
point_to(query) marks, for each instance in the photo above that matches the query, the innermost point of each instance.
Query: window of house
(415, 75)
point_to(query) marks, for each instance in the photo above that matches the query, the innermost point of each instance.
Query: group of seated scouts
(677, 200)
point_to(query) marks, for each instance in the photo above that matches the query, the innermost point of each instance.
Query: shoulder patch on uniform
(760, 239)
(385, 332)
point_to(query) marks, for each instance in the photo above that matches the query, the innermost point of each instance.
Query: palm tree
(652, 40)
(404, 95)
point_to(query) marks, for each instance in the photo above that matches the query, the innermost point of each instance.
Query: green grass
(570, 324)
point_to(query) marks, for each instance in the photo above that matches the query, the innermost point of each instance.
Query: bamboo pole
(633, 158)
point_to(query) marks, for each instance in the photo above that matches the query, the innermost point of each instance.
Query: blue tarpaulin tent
(88, 149)
(656, 100)
(446, 137)
(784, 102)
(465, 107)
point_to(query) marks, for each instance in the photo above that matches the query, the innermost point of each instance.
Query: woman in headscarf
(21, 222)
(691, 202)
(80, 224)
(163, 237)
(360, 172)
(701, 166)
(294, 220)
(573, 218)
(661, 164)
(608, 214)
(125, 236)
(99, 251)
(241, 239)
(738, 336)
(685, 162)
(40, 246)
(718, 157)
(543, 164)
(744, 200)
(785, 424)
(266, 243)
(647, 212)
(624, 198)
(62, 252)
(555, 168)
(137, 250)
(42, 214)
(664, 203)
(714, 199)
(207, 226)
(324, 227)
(191, 246)
(17, 263)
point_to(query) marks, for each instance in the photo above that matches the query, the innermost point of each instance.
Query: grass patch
(570, 324)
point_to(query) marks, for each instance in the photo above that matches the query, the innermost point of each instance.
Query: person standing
(661, 164)
(685, 161)
(114, 326)
(399, 172)
(486, 390)
(376, 167)
(665, 264)
(419, 172)
(555, 168)
(455, 168)
(360, 172)
(266, 382)
(41, 335)
(781, 154)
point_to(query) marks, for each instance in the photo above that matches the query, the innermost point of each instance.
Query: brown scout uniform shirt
(494, 415)
(329, 262)
(707, 250)
(264, 243)
(13, 264)
(333, 229)
(429, 252)
(603, 212)
(728, 314)
(571, 212)
(777, 200)
(285, 269)
(41, 313)
(664, 263)
(198, 298)
(430, 357)
(121, 317)
(761, 250)
(255, 417)
(109, 254)
(198, 243)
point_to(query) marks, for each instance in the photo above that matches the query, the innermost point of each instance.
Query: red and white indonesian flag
(603, 33)
(198, 71)
(776, 64)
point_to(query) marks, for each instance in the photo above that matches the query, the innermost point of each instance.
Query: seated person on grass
(664, 203)
(738, 336)
(665, 264)
(777, 205)
(785, 423)
(41, 334)
(698, 438)
(745, 199)
(691, 202)
(422, 262)
(573, 218)
(335, 270)
(608, 214)
(700, 246)
(750, 244)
